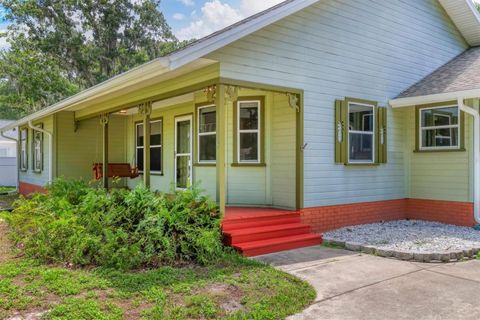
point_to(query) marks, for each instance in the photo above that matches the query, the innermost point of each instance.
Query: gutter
(476, 157)
(50, 149)
(2, 133)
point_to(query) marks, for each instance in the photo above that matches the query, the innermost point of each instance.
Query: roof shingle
(459, 74)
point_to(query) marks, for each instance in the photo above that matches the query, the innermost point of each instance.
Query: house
(8, 157)
(309, 116)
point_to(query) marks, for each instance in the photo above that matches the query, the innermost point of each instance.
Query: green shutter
(381, 135)
(339, 132)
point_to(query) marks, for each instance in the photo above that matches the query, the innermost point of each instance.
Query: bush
(78, 224)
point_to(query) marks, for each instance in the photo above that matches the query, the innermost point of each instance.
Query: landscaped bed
(83, 253)
(409, 240)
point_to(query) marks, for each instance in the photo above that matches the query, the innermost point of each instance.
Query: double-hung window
(361, 133)
(23, 149)
(156, 127)
(207, 134)
(439, 128)
(37, 150)
(249, 131)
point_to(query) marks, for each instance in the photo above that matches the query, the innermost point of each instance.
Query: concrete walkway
(350, 285)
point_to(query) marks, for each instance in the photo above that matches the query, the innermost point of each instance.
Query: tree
(59, 47)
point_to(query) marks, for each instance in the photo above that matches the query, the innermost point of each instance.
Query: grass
(234, 288)
(6, 189)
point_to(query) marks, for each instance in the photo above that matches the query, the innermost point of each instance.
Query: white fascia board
(434, 98)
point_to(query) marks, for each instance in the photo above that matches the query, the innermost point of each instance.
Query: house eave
(434, 98)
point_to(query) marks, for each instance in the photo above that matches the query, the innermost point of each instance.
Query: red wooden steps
(256, 231)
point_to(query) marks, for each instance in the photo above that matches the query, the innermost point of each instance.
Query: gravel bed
(409, 240)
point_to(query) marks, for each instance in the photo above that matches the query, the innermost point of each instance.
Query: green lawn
(6, 189)
(235, 288)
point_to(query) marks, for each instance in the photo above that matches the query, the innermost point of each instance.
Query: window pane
(361, 147)
(440, 137)
(207, 148)
(183, 136)
(156, 159)
(183, 166)
(140, 135)
(439, 117)
(360, 117)
(249, 116)
(207, 120)
(249, 146)
(156, 133)
(140, 159)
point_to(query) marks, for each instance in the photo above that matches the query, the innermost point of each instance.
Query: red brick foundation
(326, 218)
(28, 188)
(452, 212)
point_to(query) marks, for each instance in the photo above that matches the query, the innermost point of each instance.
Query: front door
(183, 152)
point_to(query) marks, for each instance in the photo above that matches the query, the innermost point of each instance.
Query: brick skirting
(452, 212)
(326, 218)
(28, 188)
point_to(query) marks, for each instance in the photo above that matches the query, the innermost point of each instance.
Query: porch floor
(256, 231)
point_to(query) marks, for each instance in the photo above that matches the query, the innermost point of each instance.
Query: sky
(198, 18)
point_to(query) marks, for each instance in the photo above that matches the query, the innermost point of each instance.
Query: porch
(239, 142)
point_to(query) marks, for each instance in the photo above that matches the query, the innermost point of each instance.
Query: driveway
(350, 285)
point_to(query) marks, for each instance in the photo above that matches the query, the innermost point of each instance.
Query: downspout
(476, 158)
(16, 152)
(50, 149)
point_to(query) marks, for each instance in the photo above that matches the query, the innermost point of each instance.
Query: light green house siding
(245, 185)
(29, 176)
(80, 144)
(437, 175)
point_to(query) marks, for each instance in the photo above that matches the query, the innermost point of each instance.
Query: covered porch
(239, 142)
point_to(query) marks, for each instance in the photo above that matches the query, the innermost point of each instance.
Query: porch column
(145, 110)
(104, 118)
(221, 114)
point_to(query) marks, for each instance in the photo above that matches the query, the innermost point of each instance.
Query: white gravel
(411, 235)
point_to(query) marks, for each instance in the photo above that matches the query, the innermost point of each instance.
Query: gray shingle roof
(461, 73)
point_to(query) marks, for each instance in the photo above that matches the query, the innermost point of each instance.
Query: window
(361, 133)
(155, 146)
(439, 128)
(23, 149)
(3, 152)
(37, 150)
(207, 134)
(248, 131)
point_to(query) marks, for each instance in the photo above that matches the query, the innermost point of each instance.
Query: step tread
(263, 216)
(264, 229)
(275, 241)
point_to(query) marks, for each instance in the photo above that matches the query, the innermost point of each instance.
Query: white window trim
(36, 148)
(160, 146)
(199, 134)
(372, 133)
(258, 131)
(421, 129)
(23, 151)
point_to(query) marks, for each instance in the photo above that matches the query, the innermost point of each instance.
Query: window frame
(373, 133)
(260, 131)
(140, 123)
(23, 156)
(420, 128)
(199, 107)
(41, 147)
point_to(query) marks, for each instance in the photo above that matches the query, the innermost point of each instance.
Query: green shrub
(77, 224)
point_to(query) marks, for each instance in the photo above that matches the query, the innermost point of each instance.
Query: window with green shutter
(360, 132)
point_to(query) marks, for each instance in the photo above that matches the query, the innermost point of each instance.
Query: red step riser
(236, 239)
(253, 223)
(280, 247)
